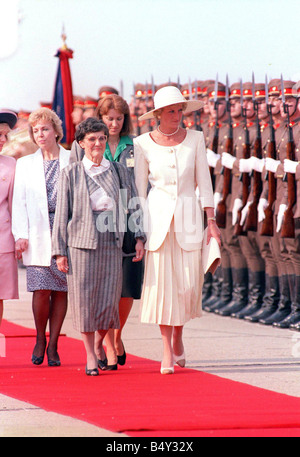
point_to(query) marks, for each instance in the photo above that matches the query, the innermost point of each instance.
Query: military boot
(207, 287)
(226, 292)
(284, 305)
(216, 284)
(294, 316)
(239, 293)
(256, 292)
(270, 300)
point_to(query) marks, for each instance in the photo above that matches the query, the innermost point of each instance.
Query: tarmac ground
(258, 355)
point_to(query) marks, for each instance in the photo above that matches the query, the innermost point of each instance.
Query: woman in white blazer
(34, 202)
(174, 161)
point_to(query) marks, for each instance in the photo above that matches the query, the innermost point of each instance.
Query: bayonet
(267, 92)
(282, 91)
(216, 92)
(190, 89)
(152, 85)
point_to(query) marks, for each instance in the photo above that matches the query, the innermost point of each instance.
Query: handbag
(129, 240)
(211, 254)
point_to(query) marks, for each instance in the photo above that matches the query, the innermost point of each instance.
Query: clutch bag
(211, 254)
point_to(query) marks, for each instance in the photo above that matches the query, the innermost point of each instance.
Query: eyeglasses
(94, 138)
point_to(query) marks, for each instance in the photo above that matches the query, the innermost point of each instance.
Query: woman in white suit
(34, 202)
(174, 161)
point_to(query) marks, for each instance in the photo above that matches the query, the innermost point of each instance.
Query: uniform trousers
(232, 255)
(293, 251)
(251, 246)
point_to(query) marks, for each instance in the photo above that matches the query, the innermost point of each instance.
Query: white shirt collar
(91, 166)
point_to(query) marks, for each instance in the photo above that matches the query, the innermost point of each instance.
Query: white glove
(289, 166)
(245, 165)
(272, 164)
(281, 212)
(244, 213)
(262, 205)
(212, 157)
(257, 164)
(217, 198)
(227, 160)
(236, 206)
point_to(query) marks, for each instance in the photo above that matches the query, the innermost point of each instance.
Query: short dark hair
(90, 125)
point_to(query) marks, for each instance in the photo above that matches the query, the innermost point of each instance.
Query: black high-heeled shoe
(53, 363)
(110, 367)
(92, 372)
(102, 364)
(122, 358)
(38, 360)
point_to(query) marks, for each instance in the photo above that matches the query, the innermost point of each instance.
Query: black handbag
(129, 240)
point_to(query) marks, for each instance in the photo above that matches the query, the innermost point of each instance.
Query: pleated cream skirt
(172, 288)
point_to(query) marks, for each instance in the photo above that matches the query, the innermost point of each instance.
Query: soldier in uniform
(258, 246)
(137, 108)
(286, 250)
(149, 105)
(201, 123)
(205, 112)
(235, 276)
(221, 283)
(271, 296)
(90, 105)
(248, 241)
(78, 109)
(293, 320)
(107, 90)
(189, 119)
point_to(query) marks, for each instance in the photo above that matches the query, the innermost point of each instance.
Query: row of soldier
(252, 137)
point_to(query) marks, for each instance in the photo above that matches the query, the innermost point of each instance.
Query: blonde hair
(46, 114)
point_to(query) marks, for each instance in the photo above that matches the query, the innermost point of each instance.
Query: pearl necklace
(168, 134)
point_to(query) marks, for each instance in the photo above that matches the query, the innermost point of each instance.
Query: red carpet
(138, 400)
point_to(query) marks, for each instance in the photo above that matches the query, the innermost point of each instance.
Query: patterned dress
(48, 278)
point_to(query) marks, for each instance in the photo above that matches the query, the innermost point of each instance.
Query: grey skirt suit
(92, 241)
(133, 272)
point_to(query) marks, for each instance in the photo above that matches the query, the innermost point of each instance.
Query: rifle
(251, 218)
(267, 228)
(226, 172)
(197, 114)
(288, 224)
(244, 177)
(215, 141)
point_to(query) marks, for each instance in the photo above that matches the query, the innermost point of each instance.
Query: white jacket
(174, 174)
(30, 217)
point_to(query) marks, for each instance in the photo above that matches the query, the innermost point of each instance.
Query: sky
(135, 40)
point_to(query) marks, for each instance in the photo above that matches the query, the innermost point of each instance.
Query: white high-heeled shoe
(180, 359)
(169, 370)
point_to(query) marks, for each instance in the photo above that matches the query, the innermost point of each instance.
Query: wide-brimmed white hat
(171, 95)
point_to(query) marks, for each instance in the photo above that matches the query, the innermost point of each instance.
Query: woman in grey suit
(87, 240)
(114, 111)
